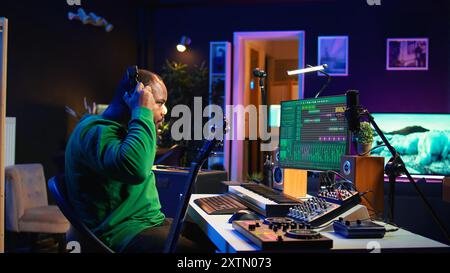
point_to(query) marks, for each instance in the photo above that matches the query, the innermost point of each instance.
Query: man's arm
(125, 156)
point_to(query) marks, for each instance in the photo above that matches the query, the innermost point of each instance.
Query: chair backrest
(90, 242)
(24, 189)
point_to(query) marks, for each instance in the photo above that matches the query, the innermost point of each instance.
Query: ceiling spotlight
(183, 44)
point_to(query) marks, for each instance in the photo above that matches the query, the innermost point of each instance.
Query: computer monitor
(422, 140)
(313, 133)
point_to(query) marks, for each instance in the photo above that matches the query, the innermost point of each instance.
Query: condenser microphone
(352, 113)
(259, 73)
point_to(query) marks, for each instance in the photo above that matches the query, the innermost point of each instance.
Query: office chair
(78, 231)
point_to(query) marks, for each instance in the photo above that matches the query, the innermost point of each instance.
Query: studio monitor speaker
(277, 171)
(292, 182)
(367, 174)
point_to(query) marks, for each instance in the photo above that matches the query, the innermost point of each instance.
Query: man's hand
(141, 97)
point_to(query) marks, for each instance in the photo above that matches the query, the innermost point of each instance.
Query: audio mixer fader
(279, 233)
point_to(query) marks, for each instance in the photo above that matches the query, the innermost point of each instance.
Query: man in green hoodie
(109, 174)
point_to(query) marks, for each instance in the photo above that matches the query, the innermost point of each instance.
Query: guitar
(208, 147)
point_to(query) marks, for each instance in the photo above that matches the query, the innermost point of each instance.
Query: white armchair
(27, 208)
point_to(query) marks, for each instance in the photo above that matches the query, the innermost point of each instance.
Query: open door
(3, 57)
(266, 50)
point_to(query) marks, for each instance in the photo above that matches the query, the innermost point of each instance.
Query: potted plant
(364, 138)
(183, 83)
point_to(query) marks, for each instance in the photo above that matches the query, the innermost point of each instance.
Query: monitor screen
(422, 140)
(313, 133)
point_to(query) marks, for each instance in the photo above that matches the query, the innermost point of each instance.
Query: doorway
(275, 52)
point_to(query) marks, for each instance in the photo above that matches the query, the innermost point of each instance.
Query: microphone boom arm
(325, 85)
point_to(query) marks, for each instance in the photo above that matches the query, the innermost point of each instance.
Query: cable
(390, 224)
(325, 84)
(362, 194)
(340, 175)
(355, 188)
(322, 226)
(330, 223)
(347, 180)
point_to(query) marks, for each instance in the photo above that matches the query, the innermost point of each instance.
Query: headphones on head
(134, 79)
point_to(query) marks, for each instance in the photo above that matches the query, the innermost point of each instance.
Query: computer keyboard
(220, 204)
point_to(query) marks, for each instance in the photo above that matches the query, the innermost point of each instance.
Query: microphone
(307, 70)
(259, 73)
(352, 113)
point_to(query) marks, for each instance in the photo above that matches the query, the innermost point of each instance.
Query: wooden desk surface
(228, 240)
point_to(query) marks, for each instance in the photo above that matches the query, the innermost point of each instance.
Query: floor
(33, 243)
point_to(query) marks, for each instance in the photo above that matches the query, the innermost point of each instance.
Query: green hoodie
(109, 176)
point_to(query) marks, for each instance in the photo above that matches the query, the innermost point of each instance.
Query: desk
(227, 240)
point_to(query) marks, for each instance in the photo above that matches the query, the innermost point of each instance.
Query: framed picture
(407, 54)
(333, 51)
